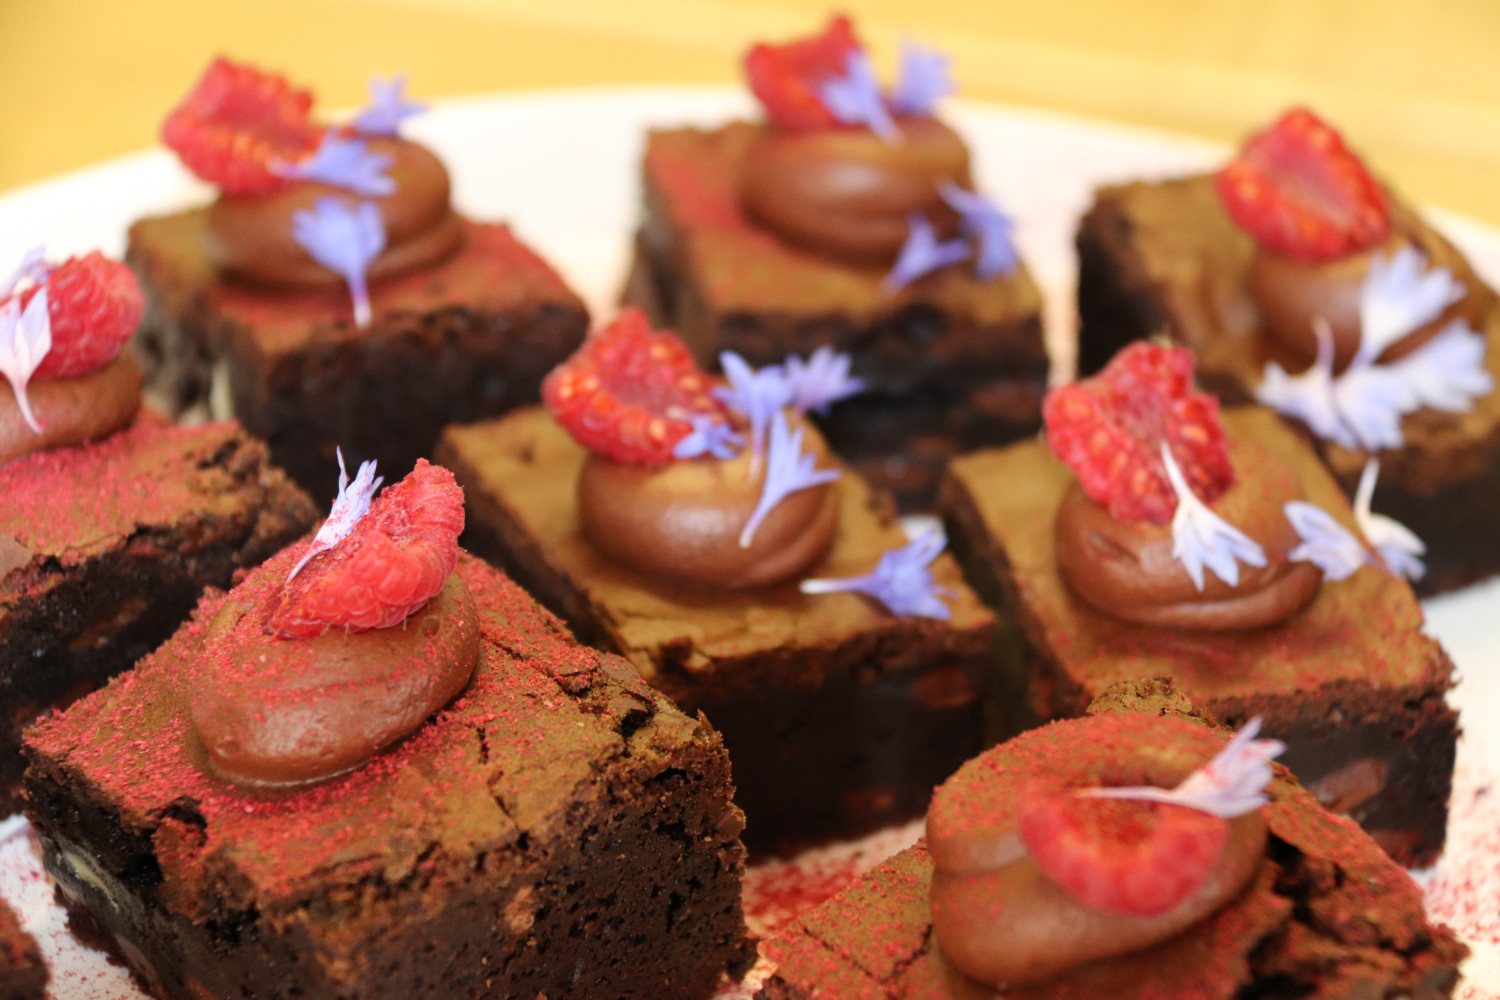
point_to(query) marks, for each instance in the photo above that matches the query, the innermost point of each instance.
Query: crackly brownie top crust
(499, 768)
(738, 266)
(1328, 916)
(1193, 258)
(529, 465)
(1366, 629)
(493, 272)
(70, 505)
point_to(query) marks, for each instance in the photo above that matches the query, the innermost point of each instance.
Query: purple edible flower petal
(1201, 538)
(1396, 544)
(901, 580)
(922, 81)
(345, 240)
(983, 220)
(388, 107)
(1399, 296)
(922, 254)
(1232, 784)
(33, 270)
(1326, 543)
(352, 503)
(708, 437)
(787, 471)
(342, 162)
(755, 394)
(856, 99)
(820, 381)
(25, 339)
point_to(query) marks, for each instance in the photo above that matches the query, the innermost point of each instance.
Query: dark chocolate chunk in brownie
(558, 830)
(1165, 258)
(839, 717)
(1350, 682)
(469, 338)
(104, 550)
(950, 363)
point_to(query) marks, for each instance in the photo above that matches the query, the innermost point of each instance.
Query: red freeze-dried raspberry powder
(1109, 430)
(1301, 192)
(393, 562)
(628, 392)
(786, 77)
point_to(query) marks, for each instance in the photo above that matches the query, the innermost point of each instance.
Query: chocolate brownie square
(558, 830)
(950, 363)
(468, 338)
(105, 548)
(1166, 258)
(22, 974)
(1351, 683)
(1325, 915)
(839, 717)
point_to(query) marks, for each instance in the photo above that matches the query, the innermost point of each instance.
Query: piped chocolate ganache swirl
(62, 328)
(306, 205)
(1035, 879)
(852, 172)
(322, 662)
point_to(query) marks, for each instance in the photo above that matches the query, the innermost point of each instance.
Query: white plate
(563, 168)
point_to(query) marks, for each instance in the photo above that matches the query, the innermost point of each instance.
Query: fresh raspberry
(236, 122)
(786, 77)
(396, 558)
(94, 304)
(1300, 191)
(1120, 855)
(1109, 430)
(628, 392)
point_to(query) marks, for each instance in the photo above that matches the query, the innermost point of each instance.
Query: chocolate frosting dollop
(681, 522)
(276, 712)
(1292, 293)
(71, 411)
(847, 192)
(1000, 921)
(1126, 569)
(250, 236)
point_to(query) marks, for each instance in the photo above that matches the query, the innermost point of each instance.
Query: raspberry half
(1300, 191)
(1109, 429)
(786, 77)
(94, 304)
(393, 562)
(236, 122)
(1120, 855)
(628, 392)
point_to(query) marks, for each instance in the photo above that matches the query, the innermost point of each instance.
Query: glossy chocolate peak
(279, 711)
(846, 192)
(250, 236)
(1291, 293)
(71, 411)
(681, 522)
(1127, 570)
(1000, 921)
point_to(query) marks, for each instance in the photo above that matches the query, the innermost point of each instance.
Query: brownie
(104, 550)
(950, 363)
(839, 717)
(22, 974)
(1165, 258)
(1327, 915)
(469, 338)
(1350, 682)
(558, 830)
